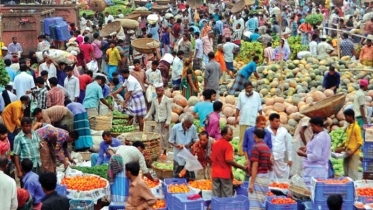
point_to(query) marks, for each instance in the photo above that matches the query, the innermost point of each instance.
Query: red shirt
(86, 50)
(221, 151)
(55, 97)
(176, 30)
(84, 80)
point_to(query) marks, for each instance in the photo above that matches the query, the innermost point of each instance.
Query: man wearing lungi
(54, 147)
(134, 98)
(161, 110)
(243, 75)
(81, 125)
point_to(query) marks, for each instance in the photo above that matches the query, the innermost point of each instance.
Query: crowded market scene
(177, 104)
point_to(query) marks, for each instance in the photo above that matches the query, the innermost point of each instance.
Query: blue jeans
(94, 158)
(11, 137)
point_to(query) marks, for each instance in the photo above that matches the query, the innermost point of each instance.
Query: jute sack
(101, 123)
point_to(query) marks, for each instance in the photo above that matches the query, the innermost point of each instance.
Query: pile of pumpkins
(287, 91)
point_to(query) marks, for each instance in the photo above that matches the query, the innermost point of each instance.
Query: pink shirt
(97, 52)
(207, 45)
(213, 127)
(227, 32)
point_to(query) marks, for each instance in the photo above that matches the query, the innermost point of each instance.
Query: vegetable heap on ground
(100, 170)
(84, 183)
(122, 129)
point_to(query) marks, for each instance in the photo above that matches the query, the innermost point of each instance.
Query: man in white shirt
(83, 21)
(23, 82)
(198, 52)
(7, 97)
(275, 11)
(50, 66)
(177, 70)
(324, 48)
(120, 14)
(71, 84)
(360, 107)
(313, 44)
(108, 17)
(134, 99)
(8, 187)
(281, 148)
(229, 49)
(250, 101)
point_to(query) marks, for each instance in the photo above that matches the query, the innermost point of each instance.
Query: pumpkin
(279, 100)
(177, 109)
(174, 117)
(269, 101)
(292, 122)
(228, 111)
(328, 93)
(223, 120)
(278, 107)
(230, 100)
(231, 120)
(291, 109)
(340, 115)
(175, 93)
(198, 72)
(309, 100)
(193, 100)
(318, 96)
(186, 109)
(283, 118)
(181, 117)
(180, 100)
(168, 93)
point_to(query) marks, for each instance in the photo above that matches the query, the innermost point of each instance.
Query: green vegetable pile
(122, 129)
(196, 123)
(4, 77)
(222, 125)
(338, 138)
(165, 166)
(113, 10)
(238, 173)
(100, 170)
(119, 121)
(118, 114)
(89, 13)
(109, 100)
(314, 19)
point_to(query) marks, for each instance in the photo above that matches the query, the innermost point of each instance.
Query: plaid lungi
(238, 84)
(137, 104)
(305, 39)
(258, 197)
(81, 125)
(197, 64)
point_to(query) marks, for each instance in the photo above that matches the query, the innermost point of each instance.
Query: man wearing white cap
(5, 54)
(161, 110)
(323, 48)
(360, 107)
(7, 97)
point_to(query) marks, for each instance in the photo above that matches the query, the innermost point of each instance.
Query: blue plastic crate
(51, 21)
(368, 151)
(61, 190)
(322, 191)
(181, 202)
(239, 202)
(367, 165)
(53, 32)
(300, 204)
(170, 197)
(169, 181)
(324, 205)
(243, 189)
(365, 199)
(272, 206)
(81, 205)
(117, 206)
(62, 31)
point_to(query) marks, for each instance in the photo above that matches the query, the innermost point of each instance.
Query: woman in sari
(189, 82)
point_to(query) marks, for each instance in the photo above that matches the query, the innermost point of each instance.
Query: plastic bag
(93, 66)
(192, 164)
(33, 105)
(150, 93)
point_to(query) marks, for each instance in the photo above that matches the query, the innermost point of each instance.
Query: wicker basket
(299, 192)
(326, 107)
(238, 7)
(160, 8)
(97, 5)
(110, 28)
(132, 16)
(140, 3)
(142, 13)
(143, 45)
(152, 142)
(129, 23)
(162, 173)
(229, 5)
(162, 2)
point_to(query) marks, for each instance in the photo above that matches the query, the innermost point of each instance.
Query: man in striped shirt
(268, 52)
(56, 96)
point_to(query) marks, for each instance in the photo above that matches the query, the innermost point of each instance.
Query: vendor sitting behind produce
(331, 80)
(202, 149)
(103, 156)
(316, 153)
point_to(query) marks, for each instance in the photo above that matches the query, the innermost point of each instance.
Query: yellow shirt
(12, 115)
(1, 45)
(334, 42)
(114, 56)
(354, 137)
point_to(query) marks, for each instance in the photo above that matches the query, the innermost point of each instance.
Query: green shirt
(25, 147)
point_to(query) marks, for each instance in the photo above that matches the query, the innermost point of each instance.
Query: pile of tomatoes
(283, 201)
(269, 193)
(83, 183)
(160, 204)
(178, 188)
(279, 185)
(150, 183)
(201, 184)
(334, 181)
(364, 191)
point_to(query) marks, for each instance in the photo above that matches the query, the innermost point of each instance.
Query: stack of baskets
(152, 144)
(368, 152)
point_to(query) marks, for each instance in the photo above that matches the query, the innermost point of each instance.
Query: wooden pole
(281, 60)
(338, 47)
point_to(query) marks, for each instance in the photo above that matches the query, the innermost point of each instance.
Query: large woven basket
(97, 5)
(326, 107)
(142, 13)
(162, 173)
(152, 142)
(145, 45)
(140, 3)
(132, 16)
(160, 8)
(229, 5)
(238, 7)
(110, 28)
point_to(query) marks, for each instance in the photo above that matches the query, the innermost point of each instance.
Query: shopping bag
(192, 164)
(33, 105)
(150, 93)
(93, 66)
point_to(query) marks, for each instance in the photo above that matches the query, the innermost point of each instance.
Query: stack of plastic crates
(320, 191)
(61, 189)
(243, 189)
(169, 196)
(368, 152)
(272, 206)
(181, 202)
(81, 205)
(239, 202)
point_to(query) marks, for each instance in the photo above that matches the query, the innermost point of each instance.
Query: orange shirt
(305, 27)
(219, 57)
(221, 151)
(205, 30)
(366, 53)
